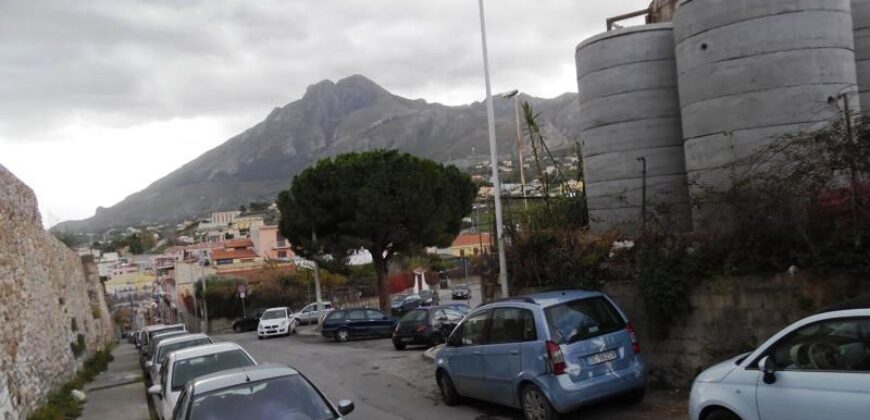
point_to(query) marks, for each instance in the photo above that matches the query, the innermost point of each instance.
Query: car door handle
(515, 352)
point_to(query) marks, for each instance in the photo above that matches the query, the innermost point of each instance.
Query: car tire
(259, 337)
(636, 396)
(399, 346)
(237, 329)
(448, 391)
(535, 404)
(342, 335)
(722, 414)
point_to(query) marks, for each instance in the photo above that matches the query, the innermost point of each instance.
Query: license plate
(407, 339)
(601, 357)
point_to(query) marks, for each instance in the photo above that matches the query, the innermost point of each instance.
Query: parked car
(344, 324)
(248, 323)
(816, 368)
(429, 298)
(547, 354)
(459, 307)
(400, 304)
(425, 326)
(149, 333)
(461, 292)
(152, 347)
(276, 321)
(185, 365)
(310, 314)
(257, 392)
(170, 345)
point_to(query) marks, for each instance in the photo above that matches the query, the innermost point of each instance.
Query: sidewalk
(118, 393)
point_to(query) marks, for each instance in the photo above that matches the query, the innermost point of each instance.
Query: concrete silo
(861, 24)
(629, 109)
(750, 71)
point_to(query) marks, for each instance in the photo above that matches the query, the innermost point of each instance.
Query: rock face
(53, 312)
(353, 114)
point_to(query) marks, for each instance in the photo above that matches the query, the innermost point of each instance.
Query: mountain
(353, 114)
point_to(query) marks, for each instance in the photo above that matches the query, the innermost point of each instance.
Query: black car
(426, 326)
(248, 323)
(429, 298)
(461, 292)
(401, 304)
(344, 324)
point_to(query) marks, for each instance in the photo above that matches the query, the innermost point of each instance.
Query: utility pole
(853, 170)
(493, 157)
(642, 160)
(317, 294)
(202, 281)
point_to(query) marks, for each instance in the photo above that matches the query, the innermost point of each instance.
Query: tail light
(421, 328)
(557, 360)
(635, 346)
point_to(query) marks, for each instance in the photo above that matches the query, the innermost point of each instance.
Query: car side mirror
(155, 390)
(345, 407)
(149, 364)
(768, 368)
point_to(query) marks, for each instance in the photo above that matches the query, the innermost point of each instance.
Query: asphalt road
(386, 384)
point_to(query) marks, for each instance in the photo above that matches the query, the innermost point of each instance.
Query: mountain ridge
(352, 114)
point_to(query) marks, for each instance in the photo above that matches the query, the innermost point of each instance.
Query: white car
(816, 368)
(170, 345)
(182, 366)
(309, 314)
(276, 321)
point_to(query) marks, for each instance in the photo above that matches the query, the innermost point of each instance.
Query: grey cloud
(121, 62)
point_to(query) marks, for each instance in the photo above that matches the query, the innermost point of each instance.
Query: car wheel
(722, 414)
(259, 337)
(237, 329)
(399, 346)
(448, 391)
(636, 396)
(535, 404)
(342, 335)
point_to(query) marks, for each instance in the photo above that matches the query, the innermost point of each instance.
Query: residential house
(248, 223)
(469, 244)
(269, 243)
(224, 217)
(236, 254)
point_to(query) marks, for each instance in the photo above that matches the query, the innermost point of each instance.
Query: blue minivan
(547, 354)
(344, 324)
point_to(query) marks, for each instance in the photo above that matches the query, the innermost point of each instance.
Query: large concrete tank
(629, 109)
(861, 24)
(749, 72)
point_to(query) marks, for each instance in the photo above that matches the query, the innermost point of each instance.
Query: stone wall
(49, 297)
(728, 316)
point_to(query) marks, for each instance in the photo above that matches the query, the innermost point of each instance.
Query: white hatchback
(185, 365)
(276, 321)
(816, 368)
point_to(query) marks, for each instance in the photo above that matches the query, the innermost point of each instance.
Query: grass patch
(61, 405)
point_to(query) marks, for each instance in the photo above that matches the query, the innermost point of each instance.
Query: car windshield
(335, 315)
(581, 319)
(415, 316)
(187, 369)
(289, 397)
(274, 314)
(398, 299)
(169, 348)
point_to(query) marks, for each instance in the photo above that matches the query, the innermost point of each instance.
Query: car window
(327, 306)
(163, 368)
(335, 316)
(453, 315)
(582, 319)
(187, 369)
(440, 315)
(177, 412)
(415, 316)
(169, 348)
(287, 397)
(356, 315)
(274, 314)
(474, 330)
(836, 345)
(373, 314)
(512, 325)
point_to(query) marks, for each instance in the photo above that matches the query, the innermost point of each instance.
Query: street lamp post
(493, 157)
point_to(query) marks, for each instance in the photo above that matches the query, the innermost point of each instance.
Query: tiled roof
(471, 239)
(238, 243)
(227, 254)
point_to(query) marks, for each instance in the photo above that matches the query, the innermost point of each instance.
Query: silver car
(256, 392)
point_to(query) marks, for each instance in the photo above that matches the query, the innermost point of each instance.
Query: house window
(476, 251)
(461, 252)
(224, 262)
(282, 254)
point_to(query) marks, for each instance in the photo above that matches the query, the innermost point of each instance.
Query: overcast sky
(100, 98)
